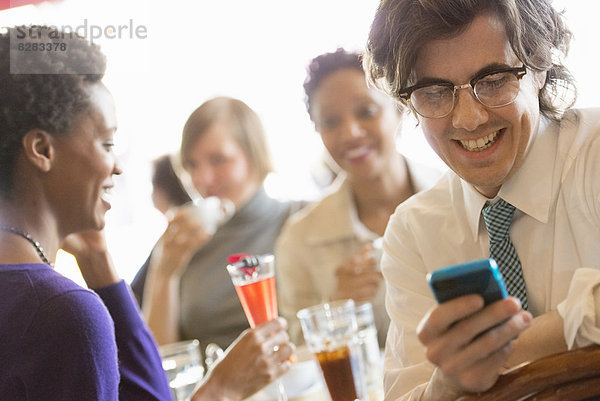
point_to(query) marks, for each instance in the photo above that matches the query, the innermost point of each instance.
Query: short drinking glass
(331, 333)
(181, 362)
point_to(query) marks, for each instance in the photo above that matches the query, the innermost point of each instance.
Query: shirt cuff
(580, 308)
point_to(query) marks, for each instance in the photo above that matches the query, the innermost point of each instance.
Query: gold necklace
(36, 245)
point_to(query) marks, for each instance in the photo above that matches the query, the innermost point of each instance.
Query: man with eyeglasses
(485, 81)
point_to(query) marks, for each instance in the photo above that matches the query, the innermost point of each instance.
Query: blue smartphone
(477, 277)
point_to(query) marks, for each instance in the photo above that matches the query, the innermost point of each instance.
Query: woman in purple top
(59, 341)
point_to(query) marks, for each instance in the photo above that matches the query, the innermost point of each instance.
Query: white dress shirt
(555, 230)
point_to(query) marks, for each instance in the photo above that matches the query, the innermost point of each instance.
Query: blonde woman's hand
(183, 236)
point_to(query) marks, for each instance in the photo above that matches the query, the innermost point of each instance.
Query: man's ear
(540, 79)
(38, 148)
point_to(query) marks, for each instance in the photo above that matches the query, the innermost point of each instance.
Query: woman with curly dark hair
(325, 251)
(59, 341)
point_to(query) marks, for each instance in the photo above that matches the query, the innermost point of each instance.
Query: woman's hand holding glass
(255, 359)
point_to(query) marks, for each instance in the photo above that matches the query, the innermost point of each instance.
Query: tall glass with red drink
(254, 281)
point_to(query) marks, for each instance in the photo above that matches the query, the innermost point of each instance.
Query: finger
(281, 351)
(439, 319)
(495, 338)
(283, 367)
(491, 316)
(365, 266)
(370, 276)
(367, 252)
(481, 375)
(275, 340)
(186, 221)
(282, 354)
(181, 213)
(198, 236)
(498, 321)
(263, 331)
(285, 352)
(370, 262)
(355, 282)
(187, 239)
(354, 260)
(353, 269)
(367, 248)
(345, 269)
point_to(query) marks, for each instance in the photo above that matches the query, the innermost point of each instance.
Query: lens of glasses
(433, 101)
(494, 90)
(497, 90)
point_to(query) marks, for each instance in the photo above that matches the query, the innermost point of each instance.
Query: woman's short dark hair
(324, 65)
(49, 99)
(536, 31)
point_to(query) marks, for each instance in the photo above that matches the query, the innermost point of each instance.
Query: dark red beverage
(336, 366)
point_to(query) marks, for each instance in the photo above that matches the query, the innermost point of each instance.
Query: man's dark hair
(536, 31)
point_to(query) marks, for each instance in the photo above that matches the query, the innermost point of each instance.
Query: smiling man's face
(484, 146)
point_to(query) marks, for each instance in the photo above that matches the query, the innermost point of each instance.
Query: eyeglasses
(492, 89)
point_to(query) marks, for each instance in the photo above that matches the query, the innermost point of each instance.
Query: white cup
(212, 212)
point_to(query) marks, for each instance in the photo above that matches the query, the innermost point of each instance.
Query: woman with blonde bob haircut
(188, 292)
(246, 129)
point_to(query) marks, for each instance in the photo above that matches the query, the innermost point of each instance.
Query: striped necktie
(498, 217)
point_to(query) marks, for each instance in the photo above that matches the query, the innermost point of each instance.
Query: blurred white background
(256, 51)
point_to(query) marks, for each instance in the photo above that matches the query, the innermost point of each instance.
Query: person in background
(60, 341)
(249, 363)
(167, 190)
(184, 288)
(485, 79)
(324, 252)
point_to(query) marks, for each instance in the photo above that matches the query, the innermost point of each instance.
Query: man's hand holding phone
(466, 338)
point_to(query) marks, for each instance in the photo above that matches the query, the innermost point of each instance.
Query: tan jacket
(319, 238)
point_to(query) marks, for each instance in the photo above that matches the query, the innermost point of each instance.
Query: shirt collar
(530, 189)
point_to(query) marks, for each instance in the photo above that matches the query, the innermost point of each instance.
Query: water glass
(369, 346)
(181, 362)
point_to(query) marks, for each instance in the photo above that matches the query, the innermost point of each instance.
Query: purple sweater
(59, 341)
